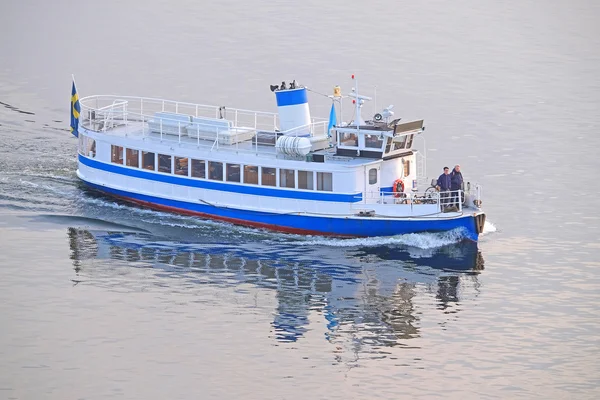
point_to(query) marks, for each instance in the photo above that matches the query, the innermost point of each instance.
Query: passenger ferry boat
(284, 171)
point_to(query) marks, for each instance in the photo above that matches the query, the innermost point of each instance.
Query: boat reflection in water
(366, 292)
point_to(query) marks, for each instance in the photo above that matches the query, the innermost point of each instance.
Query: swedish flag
(75, 110)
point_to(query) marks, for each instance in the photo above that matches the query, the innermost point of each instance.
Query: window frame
(248, 169)
(177, 161)
(310, 182)
(115, 155)
(231, 173)
(270, 171)
(286, 178)
(145, 153)
(371, 180)
(193, 170)
(215, 175)
(321, 182)
(163, 157)
(127, 157)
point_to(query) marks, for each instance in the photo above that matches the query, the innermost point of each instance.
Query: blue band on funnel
(291, 97)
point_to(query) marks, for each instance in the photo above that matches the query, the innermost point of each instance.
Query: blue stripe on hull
(357, 227)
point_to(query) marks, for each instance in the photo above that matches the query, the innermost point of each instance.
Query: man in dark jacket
(443, 185)
(456, 183)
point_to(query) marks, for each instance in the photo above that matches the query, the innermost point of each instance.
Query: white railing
(141, 106)
(414, 199)
(133, 115)
(318, 129)
(147, 107)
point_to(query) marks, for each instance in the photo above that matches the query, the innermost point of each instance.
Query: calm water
(99, 299)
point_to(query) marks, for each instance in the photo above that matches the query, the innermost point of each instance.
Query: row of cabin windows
(213, 170)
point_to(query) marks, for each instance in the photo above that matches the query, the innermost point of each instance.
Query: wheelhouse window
(199, 169)
(349, 139)
(233, 172)
(133, 158)
(251, 174)
(91, 147)
(373, 141)
(164, 163)
(215, 170)
(409, 142)
(372, 176)
(116, 154)
(148, 160)
(324, 181)
(181, 166)
(388, 145)
(305, 180)
(400, 142)
(287, 178)
(268, 176)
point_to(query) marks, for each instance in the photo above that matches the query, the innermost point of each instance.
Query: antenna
(375, 101)
(359, 100)
(357, 120)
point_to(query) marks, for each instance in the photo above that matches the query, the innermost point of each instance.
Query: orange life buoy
(398, 188)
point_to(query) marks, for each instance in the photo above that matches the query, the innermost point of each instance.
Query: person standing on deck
(456, 184)
(443, 185)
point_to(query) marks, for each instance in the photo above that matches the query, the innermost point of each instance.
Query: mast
(357, 119)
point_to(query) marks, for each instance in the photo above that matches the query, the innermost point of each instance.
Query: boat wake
(418, 240)
(488, 228)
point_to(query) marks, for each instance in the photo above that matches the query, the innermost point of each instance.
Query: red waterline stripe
(234, 221)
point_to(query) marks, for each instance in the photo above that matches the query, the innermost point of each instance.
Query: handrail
(83, 102)
(130, 114)
(451, 197)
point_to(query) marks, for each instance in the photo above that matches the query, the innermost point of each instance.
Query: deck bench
(170, 123)
(207, 129)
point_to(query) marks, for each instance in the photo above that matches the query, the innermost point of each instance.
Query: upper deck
(195, 125)
(220, 128)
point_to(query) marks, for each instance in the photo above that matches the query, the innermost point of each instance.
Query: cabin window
(133, 158)
(91, 147)
(287, 178)
(164, 163)
(406, 168)
(215, 170)
(199, 169)
(324, 181)
(251, 174)
(373, 141)
(349, 139)
(233, 172)
(268, 176)
(305, 180)
(148, 160)
(372, 176)
(181, 166)
(116, 154)
(81, 146)
(410, 140)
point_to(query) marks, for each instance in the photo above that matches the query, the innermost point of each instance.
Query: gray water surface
(100, 299)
